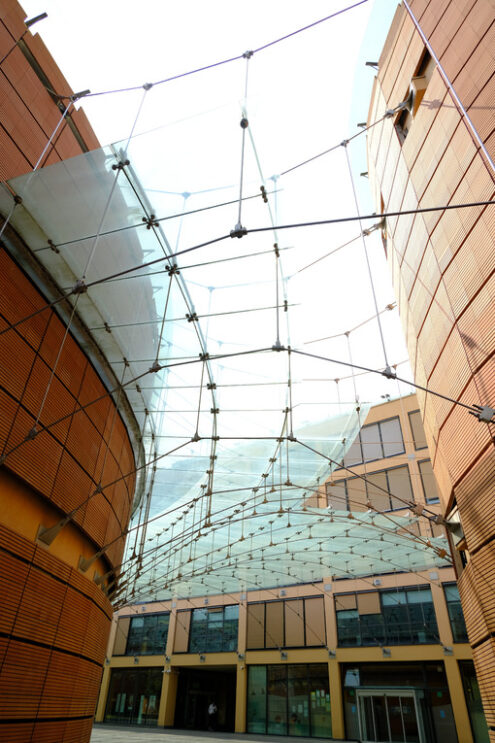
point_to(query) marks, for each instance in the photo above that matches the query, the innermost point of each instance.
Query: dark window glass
(148, 635)
(256, 701)
(456, 616)
(407, 618)
(214, 630)
(134, 696)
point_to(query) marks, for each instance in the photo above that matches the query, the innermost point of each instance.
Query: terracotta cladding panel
(484, 661)
(34, 461)
(451, 374)
(411, 59)
(476, 498)
(72, 627)
(484, 102)
(72, 485)
(388, 77)
(478, 69)
(451, 20)
(462, 437)
(83, 441)
(39, 611)
(390, 166)
(97, 516)
(22, 678)
(92, 391)
(477, 328)
(16, 363)
(13, 577)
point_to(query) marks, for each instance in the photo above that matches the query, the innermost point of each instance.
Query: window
(456, 616)
(285, 624)
(214, 630)
(289, 700)
(398, 617)
(417, 430)
(428, 481)
(414, 95)
(376, 441)
(148, 635)
(387, 490)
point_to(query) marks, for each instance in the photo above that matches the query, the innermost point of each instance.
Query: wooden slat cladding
(67, 461)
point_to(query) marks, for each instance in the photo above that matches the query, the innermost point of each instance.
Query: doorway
(390, 716)
(199, 687)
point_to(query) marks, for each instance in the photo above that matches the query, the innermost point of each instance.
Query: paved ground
(110, 734)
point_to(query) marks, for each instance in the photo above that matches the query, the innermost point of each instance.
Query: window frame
(416, 448)
(391, 495)
(283, 601)
(359, 442)
(212, 609)
(146, 617)
(433, 500)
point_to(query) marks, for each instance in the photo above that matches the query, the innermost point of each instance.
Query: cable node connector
(32, 434)
(387, 372)
(155, 368)
(195, 438)
(214, 438)
(120, 165)
(244, 123)
(248, 54)
(278, 347)
(214, 411)
(344, 143)
(211, 386)
(276, 250)
(107, 327)
(192, 317)
(17, 199)
(263, 194)
(291, 437)
(483, 413)
(53, 247)
(204, 356)
(171, 270)
(150, 221)
(147, 86)
(238, 231)
(79, 287)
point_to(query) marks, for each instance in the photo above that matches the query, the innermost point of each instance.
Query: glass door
(390, 717)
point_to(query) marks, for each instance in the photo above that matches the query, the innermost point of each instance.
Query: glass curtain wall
(289, 700)
(148, 635)
(134, 696)
(214, 630)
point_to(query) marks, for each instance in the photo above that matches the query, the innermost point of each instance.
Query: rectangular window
(214, 630)
(148, 635)
(417, 430)
(289, 623)
(289, 700)
(376, 441)
(456, 616)
(428, 481)
(398, 617)
(387, 490)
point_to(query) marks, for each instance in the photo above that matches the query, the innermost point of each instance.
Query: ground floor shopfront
(380, 699)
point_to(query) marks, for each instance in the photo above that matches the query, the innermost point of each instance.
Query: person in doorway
(212, 716)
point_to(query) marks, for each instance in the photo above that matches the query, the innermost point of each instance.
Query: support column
(102, 699)
(168, 697)
(458, 700)
(241, 698)
(442, 613)
(336, 701)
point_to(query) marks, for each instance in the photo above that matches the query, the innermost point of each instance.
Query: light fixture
(386, 652)
(167, 659)
(447, 650)
(283, 655)
(331, 653)
(136, 661)
(202, 658)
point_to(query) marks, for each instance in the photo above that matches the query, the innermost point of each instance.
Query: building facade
(334, 658)
(58, 449)
(436, 150)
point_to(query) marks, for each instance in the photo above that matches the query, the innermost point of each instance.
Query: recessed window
(417, 430)
(376, 441)
(388, 490)
(428, 481)
(148, 635)
(456, 616)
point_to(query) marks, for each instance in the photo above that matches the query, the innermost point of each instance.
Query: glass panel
(348, 628)
(354, 455)
(409, 720)
(277, 700)
(299, 711)
(371, 443)
(377, 496)
(457, 623)
(321, 719)
(395, 719)
(134, 696)
(428, 480)
(337, 495)
(372, 629)
(392, 437)
(399, 484)
(473, 700)
(256, 702)
(417, 429)
(379, 710)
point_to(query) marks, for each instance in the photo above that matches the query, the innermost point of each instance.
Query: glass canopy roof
(234, 350)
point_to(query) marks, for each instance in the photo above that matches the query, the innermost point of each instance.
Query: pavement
(122, 734)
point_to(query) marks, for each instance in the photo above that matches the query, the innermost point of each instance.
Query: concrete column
(241, 698)
(458, 700)
(168, 697)
(102, 699)
(336, 701)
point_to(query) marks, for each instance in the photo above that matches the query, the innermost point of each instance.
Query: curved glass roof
(234, 350)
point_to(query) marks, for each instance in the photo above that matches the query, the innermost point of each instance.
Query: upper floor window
(376, 441)
(147, 635)
(387, 490)
(428, 481)
(396, 617)
(417, 430)
(214, 630)
(456, 616)
(415, 94)
(285, 624)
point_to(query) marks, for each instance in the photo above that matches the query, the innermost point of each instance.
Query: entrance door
(390, 716)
